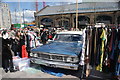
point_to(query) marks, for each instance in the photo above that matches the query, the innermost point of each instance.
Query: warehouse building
(89, 13)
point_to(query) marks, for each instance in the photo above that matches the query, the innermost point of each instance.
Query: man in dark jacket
(44, 36)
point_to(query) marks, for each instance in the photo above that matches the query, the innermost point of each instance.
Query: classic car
(62, 52)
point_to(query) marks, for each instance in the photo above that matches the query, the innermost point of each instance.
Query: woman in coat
(7, 62)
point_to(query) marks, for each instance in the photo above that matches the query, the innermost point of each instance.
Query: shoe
(12, 70)
(6, 70)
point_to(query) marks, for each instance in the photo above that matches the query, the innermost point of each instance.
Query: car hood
(67, 48)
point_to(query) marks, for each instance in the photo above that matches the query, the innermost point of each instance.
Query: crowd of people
(13, 42)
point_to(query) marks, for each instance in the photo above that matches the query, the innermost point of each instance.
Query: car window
(68, 37)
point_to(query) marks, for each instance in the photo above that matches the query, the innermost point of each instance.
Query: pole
(76, 15)
(62, 15)
(20, 15)
(15, 15)
(23, 18)
(94, 13)
(2, 25)
(15, 18)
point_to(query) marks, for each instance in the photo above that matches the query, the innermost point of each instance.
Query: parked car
(62, 52)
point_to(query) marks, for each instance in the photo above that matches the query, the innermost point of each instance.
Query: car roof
(71, 32)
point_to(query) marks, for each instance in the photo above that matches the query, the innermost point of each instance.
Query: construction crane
(44, 4)
(36, 5)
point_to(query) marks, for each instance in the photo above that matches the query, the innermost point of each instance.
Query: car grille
(52, 57)
(44, 56)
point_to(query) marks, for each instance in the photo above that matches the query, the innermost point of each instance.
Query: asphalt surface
(34, 72)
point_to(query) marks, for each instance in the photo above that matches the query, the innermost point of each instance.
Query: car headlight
(75, 59)
(69, 59)
(31, 54)
(35, 55)
(72, 59)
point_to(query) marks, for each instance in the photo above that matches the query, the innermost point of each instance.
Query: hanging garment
(87, 42)
(82, 57)
(103, 37)
(106, 61)
(117, 72)
(92, 48)
(98, 45)
(113, 44)
(117, 66)
(87, 52)
(24, 52)
(95, 42)
(117, 54)
(22, 42)
(95, 45)
(111, 41)
(28, 43)
(107, 52)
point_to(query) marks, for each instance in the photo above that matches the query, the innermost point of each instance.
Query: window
(68, 37)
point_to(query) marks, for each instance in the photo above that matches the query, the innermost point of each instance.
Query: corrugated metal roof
(82, 8)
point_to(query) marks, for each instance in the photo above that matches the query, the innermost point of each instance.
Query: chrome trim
(55, 64)
(54, 54)
(50, 56)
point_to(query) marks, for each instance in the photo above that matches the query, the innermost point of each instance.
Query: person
(7, 62)
(44, 36)
(50, 35)
(17, 44)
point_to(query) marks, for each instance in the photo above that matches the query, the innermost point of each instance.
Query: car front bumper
(55, 64)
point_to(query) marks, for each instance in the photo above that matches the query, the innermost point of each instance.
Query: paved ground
(32, 72)
(35, 72)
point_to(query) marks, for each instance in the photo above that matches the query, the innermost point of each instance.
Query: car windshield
(68, 37)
